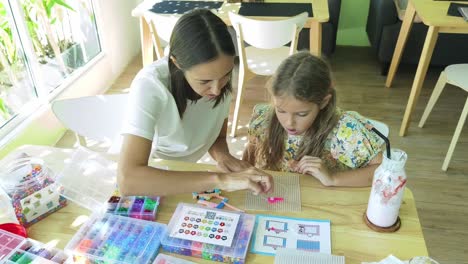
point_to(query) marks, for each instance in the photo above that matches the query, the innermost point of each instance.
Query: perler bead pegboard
(287, 192)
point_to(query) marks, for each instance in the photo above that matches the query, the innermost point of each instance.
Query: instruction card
(274, 232)
(206, 226)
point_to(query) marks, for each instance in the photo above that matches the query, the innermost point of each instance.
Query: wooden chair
(161, 27)
(456, 74)
(267, 40)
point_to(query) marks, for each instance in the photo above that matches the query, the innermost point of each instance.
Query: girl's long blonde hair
(307, 78)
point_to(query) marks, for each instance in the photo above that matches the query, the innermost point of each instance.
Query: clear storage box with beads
(111, 238)
(139, 207)
(31, 186)
(166, 259)
(16, 249)
(200, 227)
(89, 179)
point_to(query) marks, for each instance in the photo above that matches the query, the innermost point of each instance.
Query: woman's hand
(231, 164)
(313, 166)
(253, 179)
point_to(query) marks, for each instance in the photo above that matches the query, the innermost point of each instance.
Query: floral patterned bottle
(387, 191)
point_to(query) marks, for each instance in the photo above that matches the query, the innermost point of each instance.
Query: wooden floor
(441, 197)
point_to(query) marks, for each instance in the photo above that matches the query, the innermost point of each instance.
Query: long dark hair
(198, 37)
(307, 78)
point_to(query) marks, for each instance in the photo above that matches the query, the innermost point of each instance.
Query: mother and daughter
(179, 106)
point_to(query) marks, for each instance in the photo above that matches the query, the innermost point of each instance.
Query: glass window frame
(43, 96)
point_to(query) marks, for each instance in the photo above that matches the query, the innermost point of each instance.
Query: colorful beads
(235, 253)
(22, 250)
(32, 189)
(114, 238)
(140, 207)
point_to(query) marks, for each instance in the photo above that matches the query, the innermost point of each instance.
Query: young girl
(178, 110)
(303, 131)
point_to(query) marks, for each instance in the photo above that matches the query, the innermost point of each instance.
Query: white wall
(120, 40)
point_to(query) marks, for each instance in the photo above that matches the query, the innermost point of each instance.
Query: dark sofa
(329, 30)
(383, 27)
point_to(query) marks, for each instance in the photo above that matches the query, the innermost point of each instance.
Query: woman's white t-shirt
(152, 114)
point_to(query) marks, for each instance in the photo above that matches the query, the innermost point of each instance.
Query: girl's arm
(360, 177)
(135, 177)
(220, 152)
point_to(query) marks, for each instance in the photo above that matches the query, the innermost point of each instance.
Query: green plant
(8, 53)
(4, 110)
(47, 13)
(7, 47)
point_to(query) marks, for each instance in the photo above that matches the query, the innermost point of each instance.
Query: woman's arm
(220, 152)
(135, 177)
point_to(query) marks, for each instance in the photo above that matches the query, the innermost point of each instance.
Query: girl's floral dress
(349, 145)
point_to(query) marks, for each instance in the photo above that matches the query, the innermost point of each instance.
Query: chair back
(97, 117)
(161, 27)
(268, 34)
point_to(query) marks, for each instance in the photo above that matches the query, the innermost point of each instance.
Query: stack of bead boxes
(139, 207)
(89, 179)
(16, 249)
(31, 188)
(236, 253)
(111, 238)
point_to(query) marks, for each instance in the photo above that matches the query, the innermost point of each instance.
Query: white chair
(381, 127)
(267, 50)
(457, 75)
(161, 27)
(96, 117)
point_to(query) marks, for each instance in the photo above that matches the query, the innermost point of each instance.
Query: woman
(178, 110)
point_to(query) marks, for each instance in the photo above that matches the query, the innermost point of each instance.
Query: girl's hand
(231, 164)
(313, 166)
(253, 179)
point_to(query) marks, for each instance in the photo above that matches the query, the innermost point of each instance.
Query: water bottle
(388, 187)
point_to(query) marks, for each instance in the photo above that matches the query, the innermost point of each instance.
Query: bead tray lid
(8, 242)
(16, 249)
(111, 238)
(240, 237)
(88, 179)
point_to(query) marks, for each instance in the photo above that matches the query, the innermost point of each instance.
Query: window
(42, 42)
(16, 87)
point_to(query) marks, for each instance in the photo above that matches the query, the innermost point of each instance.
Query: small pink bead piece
(273, 200)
